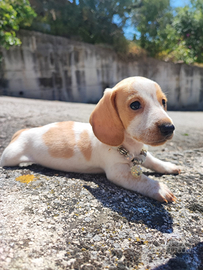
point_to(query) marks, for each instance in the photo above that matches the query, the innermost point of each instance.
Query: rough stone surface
(81, 221)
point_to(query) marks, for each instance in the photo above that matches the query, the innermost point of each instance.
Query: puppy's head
(135, 106)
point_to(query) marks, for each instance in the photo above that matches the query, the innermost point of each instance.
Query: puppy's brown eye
(164, 103)
(135, 105)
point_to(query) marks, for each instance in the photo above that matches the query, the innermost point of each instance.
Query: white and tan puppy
(131, 114)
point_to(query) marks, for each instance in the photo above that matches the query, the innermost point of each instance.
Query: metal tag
(136, 171)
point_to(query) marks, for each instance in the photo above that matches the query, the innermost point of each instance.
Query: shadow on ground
(135, 208)
(183, 259)
(124, 203)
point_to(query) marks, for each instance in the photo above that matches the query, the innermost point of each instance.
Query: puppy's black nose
(166, 129)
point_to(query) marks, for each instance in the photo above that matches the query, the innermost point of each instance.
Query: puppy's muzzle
(166, 129)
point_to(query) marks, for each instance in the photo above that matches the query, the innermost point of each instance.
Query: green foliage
(188, 25)
(13, 14)
(165, 33)
(90, 20)
(176, 36)
(184, 35)
(151, 19)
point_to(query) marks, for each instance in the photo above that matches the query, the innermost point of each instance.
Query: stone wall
(50, 67)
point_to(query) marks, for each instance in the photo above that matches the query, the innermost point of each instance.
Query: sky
(129, 30)
(179, 3)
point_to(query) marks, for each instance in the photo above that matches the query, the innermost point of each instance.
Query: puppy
(128, 116)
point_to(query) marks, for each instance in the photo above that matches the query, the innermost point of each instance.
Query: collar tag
(136, 161)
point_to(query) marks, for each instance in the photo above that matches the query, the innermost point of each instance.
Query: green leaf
(13, 14)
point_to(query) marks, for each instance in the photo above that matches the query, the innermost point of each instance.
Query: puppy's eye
(164, 103)
(135, 105)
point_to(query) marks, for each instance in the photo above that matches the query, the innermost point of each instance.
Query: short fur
(92, 148)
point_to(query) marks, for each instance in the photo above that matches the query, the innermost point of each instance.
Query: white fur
(30, 147)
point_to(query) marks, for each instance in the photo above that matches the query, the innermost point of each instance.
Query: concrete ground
(57, 220)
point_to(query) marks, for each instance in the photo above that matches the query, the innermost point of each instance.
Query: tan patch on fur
(60, 140)
(160, 95)
(17, 134)
(105, 121)
(85, 145)
(164, 120)
(125, 95)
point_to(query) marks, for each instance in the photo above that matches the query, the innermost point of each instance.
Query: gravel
(58, 220)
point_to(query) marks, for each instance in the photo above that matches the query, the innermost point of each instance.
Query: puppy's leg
(120, 174)
(14, 154)
(159, 166)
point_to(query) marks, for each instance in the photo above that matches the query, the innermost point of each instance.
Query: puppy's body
(65, 146)
(131, 114)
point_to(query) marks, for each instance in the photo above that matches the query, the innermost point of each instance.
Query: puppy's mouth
(155, 142)
(161, 141)
(164, 133)
(158, 135)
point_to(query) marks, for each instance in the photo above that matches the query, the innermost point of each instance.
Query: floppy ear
(105, 121)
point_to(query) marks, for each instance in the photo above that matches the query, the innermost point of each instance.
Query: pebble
(96, 238)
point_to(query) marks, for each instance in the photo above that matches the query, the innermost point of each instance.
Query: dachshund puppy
(129, 116)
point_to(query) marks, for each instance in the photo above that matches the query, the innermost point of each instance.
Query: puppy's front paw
(171, 168)
(163, 194)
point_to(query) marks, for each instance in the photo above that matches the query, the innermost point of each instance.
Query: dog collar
(136, 161)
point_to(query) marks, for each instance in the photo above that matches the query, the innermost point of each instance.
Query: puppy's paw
(163, 194)
(170, 168)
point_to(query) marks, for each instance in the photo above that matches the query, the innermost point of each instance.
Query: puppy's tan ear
(105, 121)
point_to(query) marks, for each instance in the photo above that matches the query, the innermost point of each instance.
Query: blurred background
(72, 50)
